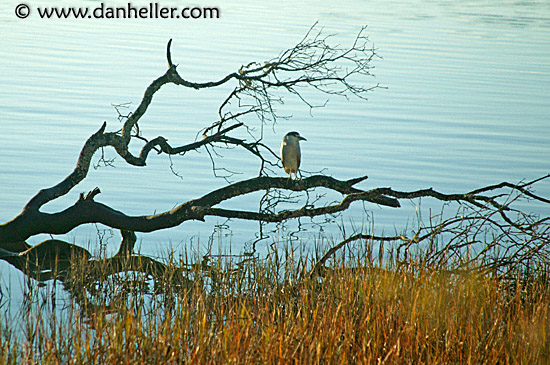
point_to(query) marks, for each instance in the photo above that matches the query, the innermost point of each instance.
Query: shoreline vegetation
(355, 309)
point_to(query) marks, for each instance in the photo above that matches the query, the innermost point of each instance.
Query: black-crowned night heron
(290, 153)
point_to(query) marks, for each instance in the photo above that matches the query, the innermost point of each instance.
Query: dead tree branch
(481, 233)
(257, 88)
(311, 62)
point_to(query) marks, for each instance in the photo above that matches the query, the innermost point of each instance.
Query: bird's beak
(302, 138)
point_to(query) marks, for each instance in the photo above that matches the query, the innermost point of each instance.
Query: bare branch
(257, 89)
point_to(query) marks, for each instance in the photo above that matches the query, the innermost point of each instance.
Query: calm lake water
(466, 104)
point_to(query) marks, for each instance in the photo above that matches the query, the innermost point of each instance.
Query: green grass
(271, 312)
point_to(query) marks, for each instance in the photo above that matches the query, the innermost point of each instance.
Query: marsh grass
(271, 311)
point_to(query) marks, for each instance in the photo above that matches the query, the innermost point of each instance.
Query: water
(466, 104)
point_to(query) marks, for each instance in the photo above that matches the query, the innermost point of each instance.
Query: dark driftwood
(312, 62)
(86, 210)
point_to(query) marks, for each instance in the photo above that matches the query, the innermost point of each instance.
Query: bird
(290, 153)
